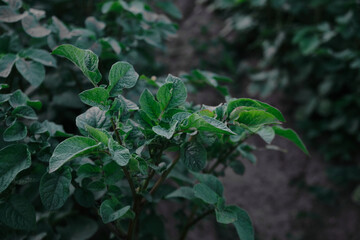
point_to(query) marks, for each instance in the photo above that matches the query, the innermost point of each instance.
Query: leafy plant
(130, 157)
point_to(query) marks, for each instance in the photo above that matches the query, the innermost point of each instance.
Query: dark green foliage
(309, 51)
(59, 185)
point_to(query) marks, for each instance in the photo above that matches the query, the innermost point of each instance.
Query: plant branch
(223, 157)
(117, 232)
(193, 222)
(164, 175)
(132, 187)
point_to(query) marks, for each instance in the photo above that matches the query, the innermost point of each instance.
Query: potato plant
(129, 156)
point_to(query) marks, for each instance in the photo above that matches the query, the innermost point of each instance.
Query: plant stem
(193, 222)
(164, 175)
(147, 181)
(117, 232)
(223, 157)
(132, 187)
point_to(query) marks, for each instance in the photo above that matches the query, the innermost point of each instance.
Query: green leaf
(33, 72)
(172, 94)
(93, 117)
(120, 154)
(3, 86)
(109, 213)
(238, 167)
(18, 98)
(71, 148)
(149, 105)
(13, 159)
(63, 31)
(205, 193)
(292, 136)
(18, 213)
(40, 56)
(98, 135)
(86, 60)
(34, 104)
(267, 134)
(84, 197)
(182, 192)
(205, 123)
(167, 133)
(6, 63)
(226, 215)
(243, 224)
(96, 97)
(88, 170)
(247, 102)
(24, 112)
(211, 181)
(254, 119)
(272, 110)
(8, 15)
(32, 27)
(121, 75)
(15, 132)
(113, 173)
(54, 189)
(170, 8)
(194, 156)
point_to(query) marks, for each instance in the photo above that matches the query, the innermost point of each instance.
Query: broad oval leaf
(40, 56)
(9, 15)
(99, 135)
(149, 105)
(55, 189)
(109, 213)
(13, 159)
(166, 132)
(194, 156)
(254, 119)
(18, 98)
(86, 60)
(33, 28)
(172, 94)
(267, 134)
(120, 154)
(33, 72)
(6, 64)
(182, 192)
(95, 97)
(247, 102)
(15, 132)
(71, 148)
(24, 112)
(93, 117)
(226, 215)
(292, 136)
(121, 75)
(243, 224)
(205, 193)
(211, 181)
(18, 213)
(205, 123)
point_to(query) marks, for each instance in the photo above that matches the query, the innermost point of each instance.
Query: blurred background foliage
(308, 52)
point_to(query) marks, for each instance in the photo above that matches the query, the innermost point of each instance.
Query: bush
(107, 183)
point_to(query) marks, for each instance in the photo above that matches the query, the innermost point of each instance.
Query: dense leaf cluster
(106, 178)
